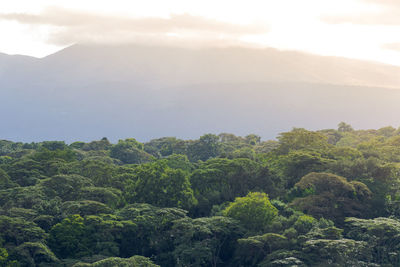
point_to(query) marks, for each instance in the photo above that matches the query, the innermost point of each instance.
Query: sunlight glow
(291, 24)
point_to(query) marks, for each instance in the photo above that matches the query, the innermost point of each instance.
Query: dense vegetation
(311, 198)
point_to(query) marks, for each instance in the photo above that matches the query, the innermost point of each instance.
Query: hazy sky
(365, 29)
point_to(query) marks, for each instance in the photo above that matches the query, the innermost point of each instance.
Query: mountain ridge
(219, 64)
(278, 59)
(88, 92)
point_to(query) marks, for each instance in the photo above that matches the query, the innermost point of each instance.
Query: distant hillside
(87, 92)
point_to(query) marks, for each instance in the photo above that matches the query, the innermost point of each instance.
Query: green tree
(102, 144)
(203, 149)
(165, 146)
(152, 237)
(344, 127)
(53, 145)
(130, 151)
(134, 261)
(35, 254)
(296, 164)
(3, 256)
(219, 180)
(159, 185)
(252, 250)
(77, 236)
(382, 236)
(301, 139)
(67, 187)
(381, 177)
(5, 181)
(332, 197)
(15, 231)
(177, 161)
(252, 139)
(100, 172)
(25, 171)
(112, 197)
(254, 211)
(69, 238)
(342, 252)
(29, 197)
(84, 207)
(205, 241)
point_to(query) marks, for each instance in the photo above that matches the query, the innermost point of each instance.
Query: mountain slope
(87, 92)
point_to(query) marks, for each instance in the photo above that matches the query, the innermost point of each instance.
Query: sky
(361, 29)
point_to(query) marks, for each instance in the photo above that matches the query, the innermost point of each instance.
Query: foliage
(78, 236)
(219, 180)
(203, 149)
(159, 185)
(331, 196)
(134, 261)
(67, 239)
(382, 235)
(204, 241)
(66, 187)
(5, 181)
(130, 151)
(252, 250)
(254, 211)
(335, 201)
(152, 225)
(299, 139)
(16, 231)
(337, 252)
(35, 254)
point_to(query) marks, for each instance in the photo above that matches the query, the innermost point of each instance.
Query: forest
(309, 198)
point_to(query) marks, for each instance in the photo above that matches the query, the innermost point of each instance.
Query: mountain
(86, 92)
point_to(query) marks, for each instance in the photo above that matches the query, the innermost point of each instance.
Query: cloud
(387, 13)
(389, 18)
(391, 3)
(392, 46)
(72, 26)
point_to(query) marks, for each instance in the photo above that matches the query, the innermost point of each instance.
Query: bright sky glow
(349, 28)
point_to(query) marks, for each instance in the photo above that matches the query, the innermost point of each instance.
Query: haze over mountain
(86, 92)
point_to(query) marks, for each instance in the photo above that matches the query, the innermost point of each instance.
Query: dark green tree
(159, 185)
(130, 151)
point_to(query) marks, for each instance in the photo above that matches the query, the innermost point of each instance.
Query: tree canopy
(310, 198)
